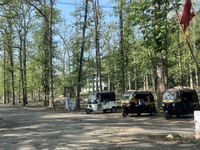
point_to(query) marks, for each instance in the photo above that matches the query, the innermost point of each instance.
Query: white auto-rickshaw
(101, 101)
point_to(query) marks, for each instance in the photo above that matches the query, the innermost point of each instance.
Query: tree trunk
(144, 82)
(129, 80)
(12, 71)
(121, 47)
(179, 59)
(165, 75)
(160, 79)
(153, 79)
(96, 44)
(196, 53)
(135, 71)
(12, 74)
(115, 79)
(153, 83)
(81, 57)
(147, 82)
(159, 58)
(19, 91)
(190, 63)
(109, 85)
(51, 101)
(39, 94)
(4, 77)
(93, 79)
(8, 90)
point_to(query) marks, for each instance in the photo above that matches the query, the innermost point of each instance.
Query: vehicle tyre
(88, 111)
(178, 115)
(138, 113)
(124, 114)
(167, 116)
(104, 110)
(113, 110)
(153, 112)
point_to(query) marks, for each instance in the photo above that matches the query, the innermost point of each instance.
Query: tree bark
(4, 77)
(147, 82)
(121, 47)
(196, 53)
(179, 61)
(135, 71)
(81, 57)
(129, 80)
(159, 58)
(190, 63)
(153, 78)
(51, 102)
(96, 44)
(115, 78)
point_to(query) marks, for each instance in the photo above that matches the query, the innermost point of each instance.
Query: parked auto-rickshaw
(101, 101)
(137, 102)
(179, 102)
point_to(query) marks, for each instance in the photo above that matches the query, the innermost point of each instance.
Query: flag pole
(186, 38)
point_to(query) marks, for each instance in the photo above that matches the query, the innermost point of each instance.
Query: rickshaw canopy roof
(182, 90)
(105, 94)
(141, 93)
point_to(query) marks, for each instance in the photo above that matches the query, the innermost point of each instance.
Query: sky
(68, 6)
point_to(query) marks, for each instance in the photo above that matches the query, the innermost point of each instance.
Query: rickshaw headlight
(173, 104)
(163, 104)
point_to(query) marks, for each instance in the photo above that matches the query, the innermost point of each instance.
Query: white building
(104, 85)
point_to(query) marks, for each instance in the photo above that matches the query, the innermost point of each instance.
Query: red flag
(186, 15)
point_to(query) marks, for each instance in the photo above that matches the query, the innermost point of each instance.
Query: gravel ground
(22, 129)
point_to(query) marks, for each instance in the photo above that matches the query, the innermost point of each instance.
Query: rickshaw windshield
(92, 97)
(170, 95)
(127, 97)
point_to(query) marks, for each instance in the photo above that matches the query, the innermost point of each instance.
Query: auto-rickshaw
(102, 101)
(179, 102)
(137, 102)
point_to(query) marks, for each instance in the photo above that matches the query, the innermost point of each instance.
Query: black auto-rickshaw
(179, 102)
(137, 102)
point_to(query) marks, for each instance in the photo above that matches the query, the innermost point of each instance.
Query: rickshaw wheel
(113, 109)
(124, 114)
(153, 112)
(138, 113)
(167, 116)
(88, 111)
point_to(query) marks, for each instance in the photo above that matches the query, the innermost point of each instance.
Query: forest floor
(38, 127)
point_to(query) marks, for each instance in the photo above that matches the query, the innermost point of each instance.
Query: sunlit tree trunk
(129, 80)
(159, 58)
(135, 71)
(196, 53)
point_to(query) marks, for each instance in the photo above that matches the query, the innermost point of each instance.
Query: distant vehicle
(137, 102)
(101, 101)
(179, 102)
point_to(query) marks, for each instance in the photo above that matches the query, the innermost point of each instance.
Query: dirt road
(41, 130)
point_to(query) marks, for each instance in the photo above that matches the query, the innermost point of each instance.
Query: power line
(75, 4)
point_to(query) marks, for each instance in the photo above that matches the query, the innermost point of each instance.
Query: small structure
(197, 124)
(70, 102)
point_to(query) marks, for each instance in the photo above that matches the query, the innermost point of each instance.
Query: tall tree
(121, 46)
(81, 56)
